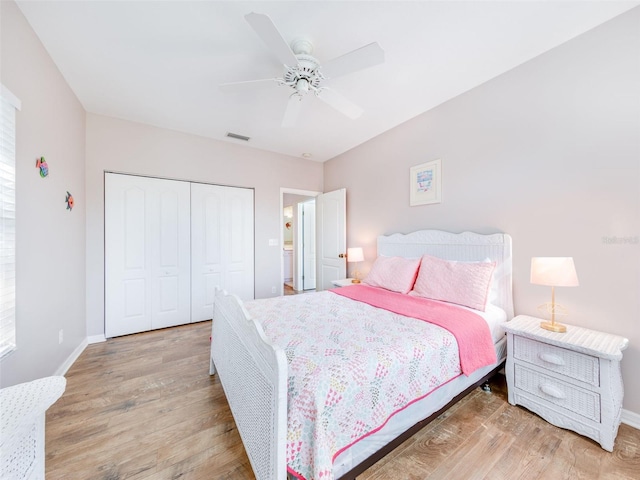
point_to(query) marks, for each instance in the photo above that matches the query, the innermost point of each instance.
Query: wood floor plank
(143, 407)
(120, 442)
(625, 458)
(475, 458)
(529, 454)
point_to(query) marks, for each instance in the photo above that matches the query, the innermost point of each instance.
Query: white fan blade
(340, 103)
(363, 57)
(267, 31)
(248, 85)
(292, 111)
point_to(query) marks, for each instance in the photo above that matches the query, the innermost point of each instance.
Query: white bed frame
(253, 372)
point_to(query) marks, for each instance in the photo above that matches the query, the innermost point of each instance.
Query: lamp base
(355, 280)
(554, 327)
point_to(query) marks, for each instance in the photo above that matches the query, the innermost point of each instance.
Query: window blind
(8, 105)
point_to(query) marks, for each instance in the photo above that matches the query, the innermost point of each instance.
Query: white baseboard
(631, 418)
(96, 339)
(62, 370)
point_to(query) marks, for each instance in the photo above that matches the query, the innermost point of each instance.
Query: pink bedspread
(470, 330)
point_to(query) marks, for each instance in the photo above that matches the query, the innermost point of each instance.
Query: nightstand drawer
(560, 360)
(578, 400)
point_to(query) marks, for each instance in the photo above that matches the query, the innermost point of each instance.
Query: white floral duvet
(351, 366)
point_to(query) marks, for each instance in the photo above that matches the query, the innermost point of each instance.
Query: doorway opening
(298, 240)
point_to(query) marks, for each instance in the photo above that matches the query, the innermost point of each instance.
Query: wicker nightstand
(570, 379)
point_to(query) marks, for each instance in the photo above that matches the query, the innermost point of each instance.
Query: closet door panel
(211, 281)
(133, 209)
(211, 221)
(169, 229)
(127, 300)
(240, 258)
(170, 258)
(207, 204)
(134, 304)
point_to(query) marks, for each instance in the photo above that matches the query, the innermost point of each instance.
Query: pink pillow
(393, 273)
(462, 283)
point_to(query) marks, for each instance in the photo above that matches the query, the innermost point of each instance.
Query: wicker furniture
(570, 379)
(22, 415)
(345, 282)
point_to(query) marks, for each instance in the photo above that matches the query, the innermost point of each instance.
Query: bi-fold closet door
(221, 245)
(168, 244)
(147, 254)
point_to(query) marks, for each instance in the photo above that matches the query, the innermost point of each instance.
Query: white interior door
(308, 245)
(222, 245)
(331, 238)
(147, 260)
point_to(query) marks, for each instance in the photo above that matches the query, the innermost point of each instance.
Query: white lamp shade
(355, 254)
(554, 271)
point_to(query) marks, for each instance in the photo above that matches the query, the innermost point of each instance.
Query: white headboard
(466, 246)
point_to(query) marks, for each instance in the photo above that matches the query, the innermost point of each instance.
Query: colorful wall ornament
(69, 201)
(42, 165)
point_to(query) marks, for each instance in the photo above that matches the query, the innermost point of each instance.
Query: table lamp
(355, 255)
(553, 272)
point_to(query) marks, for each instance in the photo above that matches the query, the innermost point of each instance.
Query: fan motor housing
(307, 69)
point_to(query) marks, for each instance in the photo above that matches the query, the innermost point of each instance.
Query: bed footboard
(253, 373)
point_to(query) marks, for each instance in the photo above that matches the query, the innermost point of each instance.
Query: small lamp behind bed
(355, 255)
(553, 272)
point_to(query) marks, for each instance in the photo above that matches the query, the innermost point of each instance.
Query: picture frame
(425, 183)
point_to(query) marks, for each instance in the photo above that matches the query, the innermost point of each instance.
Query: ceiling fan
(303, 73)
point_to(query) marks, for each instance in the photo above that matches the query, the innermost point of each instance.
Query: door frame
(294, 191)
(303, 212)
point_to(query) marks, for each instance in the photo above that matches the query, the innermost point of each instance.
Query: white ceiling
(160, 62)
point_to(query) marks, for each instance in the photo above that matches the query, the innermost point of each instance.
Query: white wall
(127, 147)
(50, 240)
(548, 152)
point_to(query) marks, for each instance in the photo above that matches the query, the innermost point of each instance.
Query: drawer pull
(552, 391)
(551, 358)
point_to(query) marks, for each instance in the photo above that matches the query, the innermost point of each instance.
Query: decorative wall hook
(69, 201)
(42, 165)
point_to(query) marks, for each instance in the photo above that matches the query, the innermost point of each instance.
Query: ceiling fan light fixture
(302, 46)
(302, 86)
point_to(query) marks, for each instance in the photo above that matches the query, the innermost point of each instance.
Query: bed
(255, 357)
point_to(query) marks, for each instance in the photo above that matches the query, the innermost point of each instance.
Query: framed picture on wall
(425, 183)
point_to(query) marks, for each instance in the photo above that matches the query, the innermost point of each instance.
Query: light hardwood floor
(145, 407)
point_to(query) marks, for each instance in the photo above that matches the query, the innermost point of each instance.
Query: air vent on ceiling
(238, 137)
